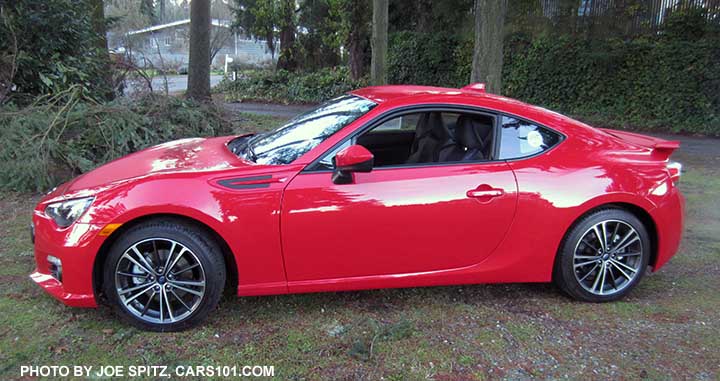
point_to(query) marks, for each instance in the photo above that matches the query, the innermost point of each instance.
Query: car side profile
(384, 187)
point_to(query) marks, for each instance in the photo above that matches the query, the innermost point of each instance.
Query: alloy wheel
(608, 257)
(160, 281)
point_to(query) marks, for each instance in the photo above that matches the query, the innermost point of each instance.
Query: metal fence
(625, 17)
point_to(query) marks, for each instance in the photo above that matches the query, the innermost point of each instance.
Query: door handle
(485, 192)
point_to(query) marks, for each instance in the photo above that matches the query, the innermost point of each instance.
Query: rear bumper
(670, 221)
(75, 249)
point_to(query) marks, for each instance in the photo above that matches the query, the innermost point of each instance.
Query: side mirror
(355, 158)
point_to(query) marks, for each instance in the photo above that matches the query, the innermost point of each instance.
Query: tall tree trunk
(97, 16)
(425, 16)
(378, 69)
(357, 54)
(161, 17)
(287, 59)
(357, 38)
(199, 65)
(270, 42)
(98, 24)
(488, 51)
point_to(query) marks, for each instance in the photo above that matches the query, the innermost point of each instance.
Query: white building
(167, 46)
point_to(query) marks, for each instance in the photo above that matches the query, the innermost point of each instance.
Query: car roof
(474, 95)
(471, 95)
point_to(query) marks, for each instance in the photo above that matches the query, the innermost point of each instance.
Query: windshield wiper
(250, 152)
(265, 153)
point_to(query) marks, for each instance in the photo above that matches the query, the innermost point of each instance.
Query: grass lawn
(246, 122)
(669, 327)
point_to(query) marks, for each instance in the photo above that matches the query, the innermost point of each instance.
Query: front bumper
(75, 248)
(53, 287)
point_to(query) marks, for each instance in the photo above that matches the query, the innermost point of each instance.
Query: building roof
(214, 22)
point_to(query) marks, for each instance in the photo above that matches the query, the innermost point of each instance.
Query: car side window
(391, 132)
(519, 138)
(427, 137)
(401, 123)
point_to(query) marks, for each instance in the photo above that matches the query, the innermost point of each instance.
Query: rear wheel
(164, 275)
(603, 256)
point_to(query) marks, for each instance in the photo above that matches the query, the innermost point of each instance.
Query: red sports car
(391, 186)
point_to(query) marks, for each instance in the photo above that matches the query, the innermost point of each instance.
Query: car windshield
(306, 131)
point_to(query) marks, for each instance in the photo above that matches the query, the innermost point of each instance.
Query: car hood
(185, 155)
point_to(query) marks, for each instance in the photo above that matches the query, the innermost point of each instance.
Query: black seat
(472, 140)
(430, 136)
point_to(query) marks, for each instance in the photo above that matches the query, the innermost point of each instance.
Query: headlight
(64, 213)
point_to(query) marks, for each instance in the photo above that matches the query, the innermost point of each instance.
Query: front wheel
(164, 275)
(603, 256)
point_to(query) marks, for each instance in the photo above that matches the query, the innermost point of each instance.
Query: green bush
(285, 87)
(667, 81)
(648, 83)
(435, 59)
(53, 46)
(45, 144)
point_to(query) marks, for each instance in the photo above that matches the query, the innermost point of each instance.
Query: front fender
(247, 220)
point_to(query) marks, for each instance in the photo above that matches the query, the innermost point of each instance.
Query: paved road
(176, 83)
(693, 145)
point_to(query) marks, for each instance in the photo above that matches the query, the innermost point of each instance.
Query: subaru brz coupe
(390, 186)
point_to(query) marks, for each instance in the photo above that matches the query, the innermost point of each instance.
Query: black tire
(199, 255)
(574, 277)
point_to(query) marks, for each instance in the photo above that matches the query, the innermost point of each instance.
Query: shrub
(45, 144)
(53, 46)
(666, 81)
(436, 59)
(284, 87)
(647, 83)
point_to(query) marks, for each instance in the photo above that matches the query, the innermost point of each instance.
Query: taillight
(675, 169)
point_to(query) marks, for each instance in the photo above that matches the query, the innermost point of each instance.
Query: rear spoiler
(661, 148)
(477, 87)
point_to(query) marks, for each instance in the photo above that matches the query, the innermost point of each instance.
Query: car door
(395, 220)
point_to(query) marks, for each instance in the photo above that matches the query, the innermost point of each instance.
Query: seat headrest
(472, 132)
(431, 124)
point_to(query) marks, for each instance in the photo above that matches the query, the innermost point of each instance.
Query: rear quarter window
(519, 138)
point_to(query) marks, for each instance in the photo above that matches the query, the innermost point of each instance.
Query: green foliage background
(668, 81)
(56, 48)
(57, 122)
(649, 83)
(47, 143)
(435, 59)
(282, 86)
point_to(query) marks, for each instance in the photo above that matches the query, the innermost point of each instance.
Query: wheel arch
(647, 220)
(638, 211)
(102, 254)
